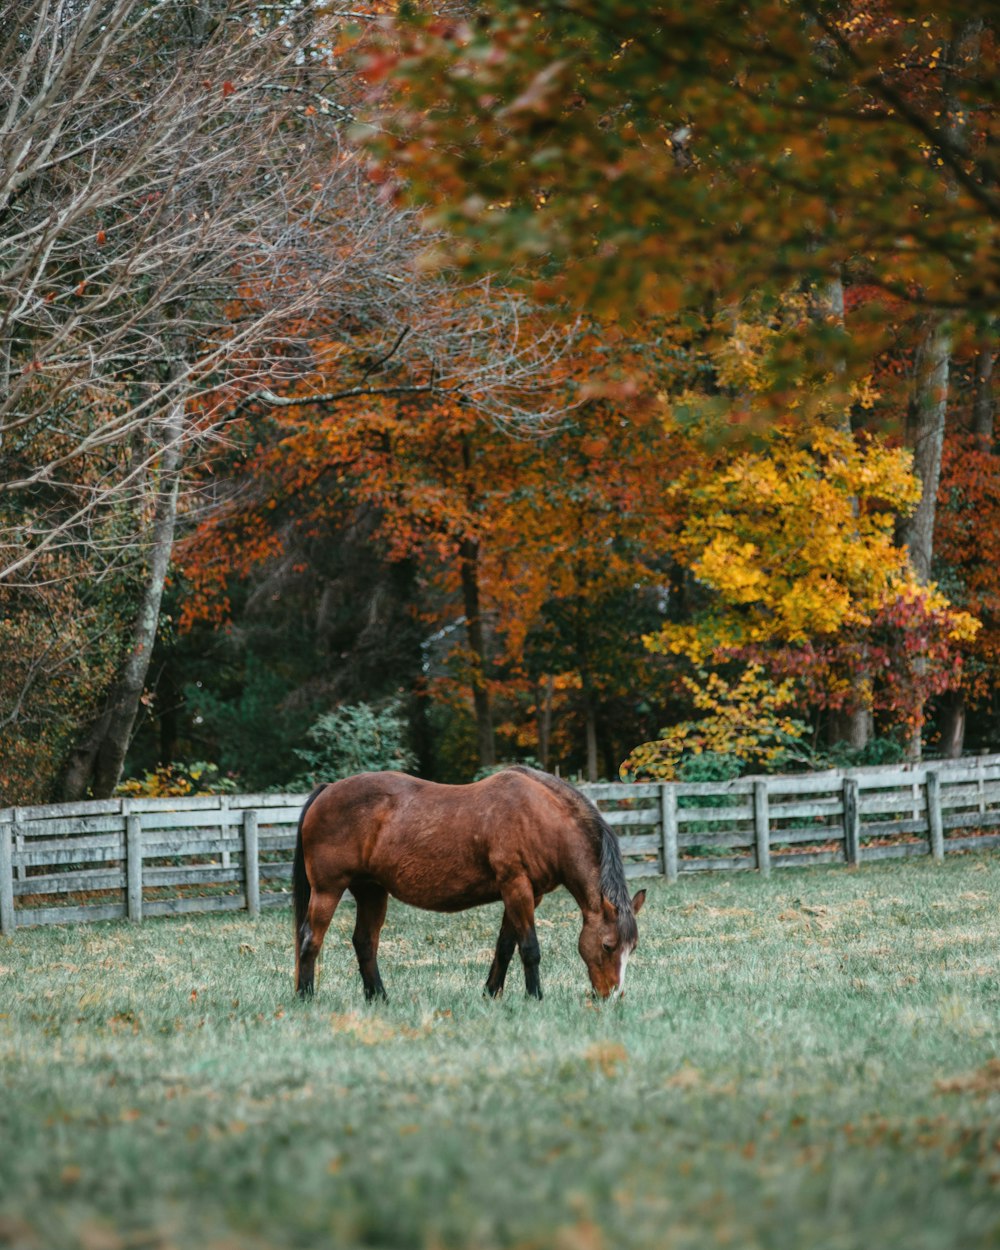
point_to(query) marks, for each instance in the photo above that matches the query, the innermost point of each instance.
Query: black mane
(614, 887)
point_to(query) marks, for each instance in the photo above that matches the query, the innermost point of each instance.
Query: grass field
(806, 1062)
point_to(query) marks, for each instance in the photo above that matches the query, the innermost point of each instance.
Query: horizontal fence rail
(130, 858)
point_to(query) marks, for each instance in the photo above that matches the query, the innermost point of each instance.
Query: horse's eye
(609, 947)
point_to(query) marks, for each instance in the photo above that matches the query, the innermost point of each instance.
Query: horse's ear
(609, 909)
(638, 901)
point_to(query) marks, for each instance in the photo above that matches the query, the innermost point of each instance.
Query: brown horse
(512, 837)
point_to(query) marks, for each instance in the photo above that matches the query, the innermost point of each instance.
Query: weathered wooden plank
(275, 841)
(694, 789)
(155, 846)
(716, 865)
(7, 919)
(966, 820)
(275, 872)
(71, 882)
(888, 777)
(957, 772)
(643, 844)
(133, 866)
(651, 868)
(875, 803)
(833, 807)
(852, 821)
(199, 874)
(969, 795)
(259, 801)
(902, 850)
(807, 859)
(70, 915)
(633, 816)
(616, 790)
(276, 817)
(271, 899)
(933, 802)
(762, 827)
(178, 803)
(52, 811)
(81, 850)
(113, 823)
(690, 815)
(811, 833)
(251, 883)
(972, 844)
(218, 818)
(828, 782)
(890, 828)
(668, 830)
(199, 903)
(715, 840)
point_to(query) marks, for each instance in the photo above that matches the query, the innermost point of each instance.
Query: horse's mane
(614, 887)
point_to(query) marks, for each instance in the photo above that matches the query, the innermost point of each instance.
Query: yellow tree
(794, 549)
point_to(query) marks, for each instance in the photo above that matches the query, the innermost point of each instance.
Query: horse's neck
(582, 877)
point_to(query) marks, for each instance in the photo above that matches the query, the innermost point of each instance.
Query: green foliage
(711, 766)
(250, 731)
(800, 754)
(355, 739)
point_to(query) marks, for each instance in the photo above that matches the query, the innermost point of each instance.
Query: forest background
(599, 384)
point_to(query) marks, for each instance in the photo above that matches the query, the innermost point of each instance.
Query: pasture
(808, 1061)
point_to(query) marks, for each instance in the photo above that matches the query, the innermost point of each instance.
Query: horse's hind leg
(372, 902)
(318, 917)
(506, 945)
(519, 904)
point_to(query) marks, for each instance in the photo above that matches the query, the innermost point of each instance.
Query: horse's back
(436, 846)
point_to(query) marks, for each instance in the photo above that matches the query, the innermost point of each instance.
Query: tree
(184, 231)
(796, 545)
(718, 146)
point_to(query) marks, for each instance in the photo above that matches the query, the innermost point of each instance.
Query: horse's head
(607, 940)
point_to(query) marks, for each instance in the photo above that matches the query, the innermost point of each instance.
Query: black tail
(301, 889)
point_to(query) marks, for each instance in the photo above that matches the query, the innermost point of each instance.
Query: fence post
(935, 823)
(251, 868)
(133, 862)
(762, 826)
(852, 821)
(7, 917)
(668, 829)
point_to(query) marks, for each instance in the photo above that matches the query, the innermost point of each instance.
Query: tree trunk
(982, 400)
(543, 702)
(591, 733)
(96, 765)
(851, 726)
(953, 724)
(854, 725)
(926, 422)
(469, 562)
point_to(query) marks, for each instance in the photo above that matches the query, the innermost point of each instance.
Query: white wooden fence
(132, 858)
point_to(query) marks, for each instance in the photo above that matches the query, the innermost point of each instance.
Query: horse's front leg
(519, 904)
(506, 945)
(372, 901)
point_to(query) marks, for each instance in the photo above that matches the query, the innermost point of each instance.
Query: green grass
(772, 1078)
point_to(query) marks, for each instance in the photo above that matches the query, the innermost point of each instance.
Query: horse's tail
(301, 890)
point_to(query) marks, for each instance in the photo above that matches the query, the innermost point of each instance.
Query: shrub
(354, 739)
